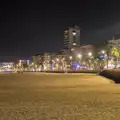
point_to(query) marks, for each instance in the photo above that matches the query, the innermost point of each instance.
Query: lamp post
(79, 56)
(103, 52)
(70, 57)
(89, 56)
(70, 62)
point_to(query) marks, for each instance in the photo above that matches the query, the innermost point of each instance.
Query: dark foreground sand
(58, 97)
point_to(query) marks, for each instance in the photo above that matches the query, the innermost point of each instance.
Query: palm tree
(116, 53)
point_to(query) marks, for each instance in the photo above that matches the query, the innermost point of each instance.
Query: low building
(83, 51)
(6, 66)
(113, 44)
(47, 62)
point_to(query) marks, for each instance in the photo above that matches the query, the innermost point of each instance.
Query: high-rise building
(72, 37)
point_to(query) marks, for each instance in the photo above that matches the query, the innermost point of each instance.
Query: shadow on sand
(111, 74)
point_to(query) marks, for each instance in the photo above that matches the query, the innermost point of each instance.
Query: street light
(57, 59)
(70, 57)
(89, 54)
(90, 57)
(103, 52)
(79, 55)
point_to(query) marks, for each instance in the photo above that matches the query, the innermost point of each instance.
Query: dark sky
(31, 27)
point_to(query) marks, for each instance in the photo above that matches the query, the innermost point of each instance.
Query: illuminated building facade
(47, 62)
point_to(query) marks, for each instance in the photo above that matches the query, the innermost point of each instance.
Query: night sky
(31, 27)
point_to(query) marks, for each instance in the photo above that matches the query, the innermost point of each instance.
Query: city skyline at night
(27, 28)
(59, 60)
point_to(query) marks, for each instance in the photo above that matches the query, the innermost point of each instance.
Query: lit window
(72, 49)
(70, 57)
(74, 43)
(74, 33)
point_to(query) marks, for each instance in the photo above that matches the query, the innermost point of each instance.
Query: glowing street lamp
(57, 59)
(20, 62)
(103, 52)
(70, 57)
(89, 54)
(79, 55)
